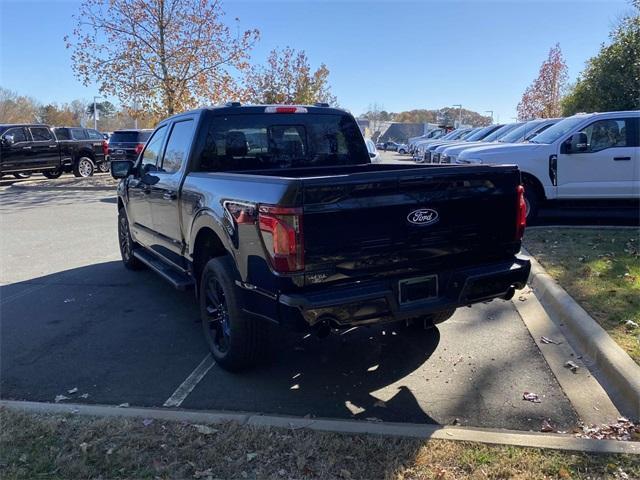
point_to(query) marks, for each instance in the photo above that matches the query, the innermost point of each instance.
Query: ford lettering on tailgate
(424, 216)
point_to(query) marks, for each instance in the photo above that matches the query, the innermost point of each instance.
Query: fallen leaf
(531, 397)
(251, 456)
(147, 421)
(571, 366)
(205, 429)
(73, 390)
(124, 405)
(547, 340)
(60, 398)
(546, 426)
(84, 395)
(83, 447)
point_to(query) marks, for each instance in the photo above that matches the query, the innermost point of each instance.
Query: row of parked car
(35, 148)
(585, 156)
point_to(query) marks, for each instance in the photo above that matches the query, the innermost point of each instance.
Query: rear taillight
(521, 213)
(281, 230)
(139, 148)
(105, 147)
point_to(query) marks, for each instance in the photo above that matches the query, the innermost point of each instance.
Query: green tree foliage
(611, 79)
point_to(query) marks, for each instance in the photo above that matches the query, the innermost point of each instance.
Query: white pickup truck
(592, 156)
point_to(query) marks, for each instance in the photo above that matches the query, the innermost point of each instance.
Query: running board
(179, 280)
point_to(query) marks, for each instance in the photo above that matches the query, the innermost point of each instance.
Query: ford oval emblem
(424, 216)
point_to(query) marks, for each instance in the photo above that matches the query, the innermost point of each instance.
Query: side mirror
(577, 143)
(8, 140)
(121, 168)
(372, 155)
(149, 179)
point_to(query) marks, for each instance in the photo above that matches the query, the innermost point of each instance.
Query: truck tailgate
(395, 222)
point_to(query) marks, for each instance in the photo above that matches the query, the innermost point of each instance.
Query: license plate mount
(418, 289)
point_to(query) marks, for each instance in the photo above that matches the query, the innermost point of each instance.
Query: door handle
(26, 148)
(51, 146)
(618, 159)
(169, 196)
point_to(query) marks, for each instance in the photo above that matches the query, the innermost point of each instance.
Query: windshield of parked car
(517, 134)
(480, 134)
(501, 132)
(266, 141)
(468, 133)
(560, 129)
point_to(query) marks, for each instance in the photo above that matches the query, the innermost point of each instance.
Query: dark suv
(127, 144)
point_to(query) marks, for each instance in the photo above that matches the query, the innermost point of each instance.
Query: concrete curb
(620, 371)
(426, 431)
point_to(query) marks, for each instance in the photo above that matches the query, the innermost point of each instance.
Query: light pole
(459, 114)
(95, 112)
(491, 112)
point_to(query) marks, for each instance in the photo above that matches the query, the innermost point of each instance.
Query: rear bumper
(378, 301)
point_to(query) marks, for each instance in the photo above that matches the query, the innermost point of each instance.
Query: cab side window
(79, 134)
(153, 149)
(18, 134)
(178, 146)
(605, 134)
(94, 135)
(41, 134)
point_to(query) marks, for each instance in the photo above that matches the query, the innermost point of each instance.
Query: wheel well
(529, 181)
(206, 246)
(86, 153)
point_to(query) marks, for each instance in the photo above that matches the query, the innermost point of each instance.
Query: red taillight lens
(284, 109)
(139, 148)
(281, 229)
(521, 213)
(105, 147)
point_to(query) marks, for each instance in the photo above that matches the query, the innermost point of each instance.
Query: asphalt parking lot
(73, 317)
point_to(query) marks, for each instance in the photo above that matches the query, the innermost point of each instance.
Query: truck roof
(8, 125)
(236, 108)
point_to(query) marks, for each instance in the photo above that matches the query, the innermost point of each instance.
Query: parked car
(431, 134)
(127, 144)
(419, 147)
(477, 134)
(29, 148)
(390, 146)
(373, 151)
(448, 153)
(523, 133)
(581, 158)
(297, 228)
(87, 149)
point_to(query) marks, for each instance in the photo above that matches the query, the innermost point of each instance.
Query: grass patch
(55, 446)
(600, 269)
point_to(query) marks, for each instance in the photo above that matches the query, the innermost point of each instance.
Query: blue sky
(402, 55)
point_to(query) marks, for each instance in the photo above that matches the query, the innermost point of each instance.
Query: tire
(83, 167)
(104, 167)
(126, 243)
(52, 174)
(22, 175)
(236, 340)
(427, 322)
(532, 201)
(402, 151)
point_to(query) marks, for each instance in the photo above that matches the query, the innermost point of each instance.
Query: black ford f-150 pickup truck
(31, 148)
(276, 215)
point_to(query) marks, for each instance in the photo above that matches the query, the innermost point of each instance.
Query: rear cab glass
(279, 141)
(129, 137)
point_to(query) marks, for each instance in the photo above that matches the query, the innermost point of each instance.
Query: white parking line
(190, 383)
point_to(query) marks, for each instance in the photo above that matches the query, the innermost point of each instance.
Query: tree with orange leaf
(287, 78)
(542, 98)
(159, 56)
